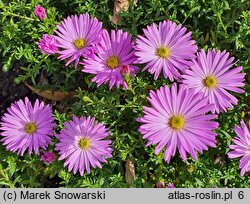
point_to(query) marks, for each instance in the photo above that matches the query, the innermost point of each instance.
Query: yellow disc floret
(210, 81)
(79, 43)
(176, 122)
(84, 143)
(163, 52)
(30, 128)
(112, 62)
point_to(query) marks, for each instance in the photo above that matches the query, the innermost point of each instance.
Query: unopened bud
(125, 69)
(159, 184)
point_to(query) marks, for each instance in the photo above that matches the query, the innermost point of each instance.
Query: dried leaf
(119, 6)
(51, 95)
(129, 171)
(207, 37)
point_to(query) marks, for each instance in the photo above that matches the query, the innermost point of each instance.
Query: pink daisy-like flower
(82, 143)
(166, 48)
(27, 127)
(241, 147)
(213, 75)
(40, 12)
(115, 56)
(47, 44)
(77, 36)
(178, 119)
(48, 157)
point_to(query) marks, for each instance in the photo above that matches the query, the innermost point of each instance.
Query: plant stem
(24, 17)
(221, 22)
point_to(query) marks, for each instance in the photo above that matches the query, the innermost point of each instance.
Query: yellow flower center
(84, 143)
(79, 43)
(176, 122)
(113, 62)
(210, 81)
(30, 128)
(163, 52)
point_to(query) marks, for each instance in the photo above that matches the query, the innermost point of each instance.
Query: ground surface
(9, 90)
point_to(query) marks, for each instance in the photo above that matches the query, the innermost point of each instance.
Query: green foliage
(214, 24)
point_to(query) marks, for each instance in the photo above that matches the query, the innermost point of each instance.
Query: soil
(9, 90)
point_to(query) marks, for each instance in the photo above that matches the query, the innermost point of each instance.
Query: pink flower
(77, 36)
(40, 12)
(165, 48)
(214, 75)
(170, 185)
(177, 119)
(115, 57)
(27, 127)
(48, 44)
(83, 144)
(48, 157)
(241, 146)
